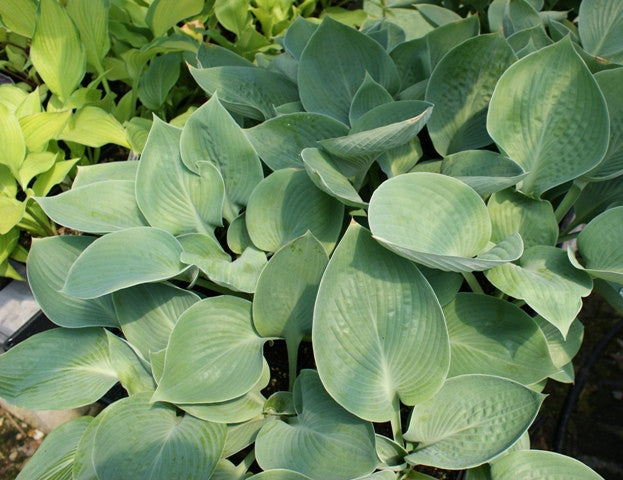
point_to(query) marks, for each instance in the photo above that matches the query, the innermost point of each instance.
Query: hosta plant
(347, 264)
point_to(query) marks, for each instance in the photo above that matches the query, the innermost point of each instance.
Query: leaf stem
(569, 199)
(395, 422)
(246, 463)
(472, 281)
(292, 345)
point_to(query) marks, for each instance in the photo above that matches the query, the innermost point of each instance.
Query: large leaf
(213, 342)
(600, 24)
(19, 16)
(97, 208)
(212, 135)
(494, 337)
(139, 439)
(447, 229)
(53, 460)
(250, 91)
(378, 332)
(124, 259)
(325, 441)
(280, 140)
(163, 14)
(39, 128)
(101, 172)
(12, 139)
(56, 51)
(599, 245)
(555, 124)
(48, 264)
(148, 313)
(328, 77)
(458, 121)
(539, 464)
(91, 18)
(285, 205)
(172, 197)
(472, 419)
(561, 350)
(370, 94)
(547, 281)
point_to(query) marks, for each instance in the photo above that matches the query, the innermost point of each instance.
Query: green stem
(40, 221)
(569, 199)
(564, 238)
(395, 422)
(292, 345)
(244, 466)
(473, 282)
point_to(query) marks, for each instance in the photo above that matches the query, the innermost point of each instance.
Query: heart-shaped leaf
(493, 410)
(378, 332)
(324, 441)
(539, 464)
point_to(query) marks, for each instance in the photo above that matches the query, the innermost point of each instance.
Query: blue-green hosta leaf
(472, 419)
(123, 259)
(279, 474)
(449, 226)
(61, 368)
(211, 55)
(57, 52)
(94, 127)
(494, 337)
(250, 91)
(547, 281)
(164, 14)
(519, 15)
(101, 172)
(611, 85)
(598, 197)
(155, 84)
(529, 40)
(599, 245)
(139, 439)
(286, 290)
(540, 464)
(241, 435)
(370, 94)
(237, 236)
(237, 410)
(325, 441)
(322, 170)
(511, 211)
(298, 35)
(554, 137)
(458, 121)
(378, 330)
(388, 34)
(100, 207)
(48, 264)
(172, 197)
(285, 205)
(600, 23)
(53, 460)
(561, 350)
(147, 313)
(205, 252)
(213, 342)
(12, 139)
(329, 77)
(280, 140)
(419, 20)
(485, 171)
(132, 372)
(401, 159)
(212, 135)
(445, 284)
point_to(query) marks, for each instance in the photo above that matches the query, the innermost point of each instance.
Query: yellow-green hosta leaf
(100, 207)
(437, 221)
(49, 262)
(285, 205)
(485, 171)
(123, 259)
(328, 77)
(458, 121)
(540, 464)
(57, 51)
(172, 197)
(94, 127)
(12, 140)
(378, 332)
(147, 313)
(8, 186)
(280, 140)
(19, 16)
(53, 176)
(554, 137)
(40, 128)
(472, 419)
(212, 342)
(139, 439)
(494, 337)
(326, 441)
(11, 212)
(34, 164)
(91, 18)
(547, 281)
(599, 245)
(599, 24)
(163, 14)
(511, 211)
(12, 96)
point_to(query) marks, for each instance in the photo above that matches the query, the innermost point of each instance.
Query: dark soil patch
(18, 442)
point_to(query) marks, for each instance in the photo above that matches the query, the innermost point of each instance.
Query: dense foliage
(398, 197)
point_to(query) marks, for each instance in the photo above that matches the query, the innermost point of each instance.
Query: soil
(18, 442)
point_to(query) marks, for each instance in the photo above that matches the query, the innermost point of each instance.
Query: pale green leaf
(34, 164)
(279, 474)
(598, 197)
(298, 35)
(94, 127)
(12, 140)
(19, 16)
(163, 14)
(600, 24)
(53, 176)
(370, 94)
(102, 172)
(11, 212)
(234, 15)
(40, 128)
(561, 350)
(237, 236)
(538, 465)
